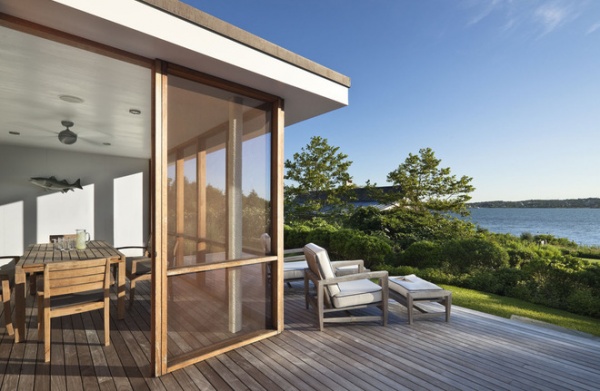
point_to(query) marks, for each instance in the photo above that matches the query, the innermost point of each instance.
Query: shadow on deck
(474, 351)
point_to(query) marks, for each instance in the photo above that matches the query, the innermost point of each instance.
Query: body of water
(581, 226)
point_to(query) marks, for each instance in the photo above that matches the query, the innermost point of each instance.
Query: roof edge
(202, 19)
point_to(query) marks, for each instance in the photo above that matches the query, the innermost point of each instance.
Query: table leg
(20, 282)
(121, 291)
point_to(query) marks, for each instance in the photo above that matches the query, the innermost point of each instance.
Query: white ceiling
(36, 72)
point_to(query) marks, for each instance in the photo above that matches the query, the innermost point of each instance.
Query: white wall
(113, 205)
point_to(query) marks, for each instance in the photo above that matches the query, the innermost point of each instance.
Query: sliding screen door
(219, 290)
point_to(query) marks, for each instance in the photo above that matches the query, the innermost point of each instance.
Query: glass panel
(199, 307)
(219, 206)
(219, 174)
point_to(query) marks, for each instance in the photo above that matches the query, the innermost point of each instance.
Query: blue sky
(504, 91)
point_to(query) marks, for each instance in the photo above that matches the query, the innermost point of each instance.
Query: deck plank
(474, 351)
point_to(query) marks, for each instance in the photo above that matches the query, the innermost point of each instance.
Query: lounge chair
(295, 263)
(345, 293)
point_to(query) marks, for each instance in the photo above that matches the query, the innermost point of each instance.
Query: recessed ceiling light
(135, 111)
(71, 98)
(13, 132)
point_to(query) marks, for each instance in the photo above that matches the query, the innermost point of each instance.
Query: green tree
(320, 184)
(425, 186)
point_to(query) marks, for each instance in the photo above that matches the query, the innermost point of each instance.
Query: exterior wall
(113, 205)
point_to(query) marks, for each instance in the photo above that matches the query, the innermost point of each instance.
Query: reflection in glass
(218, 173)
(219, 206)
(198, 308)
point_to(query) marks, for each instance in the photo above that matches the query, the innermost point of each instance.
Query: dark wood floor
(473, 352)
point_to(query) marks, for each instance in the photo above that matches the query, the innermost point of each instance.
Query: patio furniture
(138, 268)
(37, 255)
(72, 287)
(410, 290)
(7, 279)
(334, 294)
(295, 263)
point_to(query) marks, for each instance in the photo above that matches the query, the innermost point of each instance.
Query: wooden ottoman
(409, 290)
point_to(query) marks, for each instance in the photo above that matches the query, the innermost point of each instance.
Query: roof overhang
(53, 47)
(175, 32)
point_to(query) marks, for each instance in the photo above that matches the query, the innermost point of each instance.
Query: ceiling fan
(67, 136)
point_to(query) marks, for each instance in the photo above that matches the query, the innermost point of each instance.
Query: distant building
(361, 197)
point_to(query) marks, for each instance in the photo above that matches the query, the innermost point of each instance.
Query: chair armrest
(382, 275)
(356, 262)
(353, 262)
(144, 248)
(293, 251)
(294, 258)
(135, 262)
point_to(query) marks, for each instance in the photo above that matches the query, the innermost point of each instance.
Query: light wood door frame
(160, 364)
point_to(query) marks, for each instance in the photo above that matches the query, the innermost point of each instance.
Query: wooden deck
(473, 352)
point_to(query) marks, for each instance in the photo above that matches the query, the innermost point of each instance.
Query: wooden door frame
(159, 359)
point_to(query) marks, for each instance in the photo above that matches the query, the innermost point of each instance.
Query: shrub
(583, 301)
(422, 254)
(527, 236)
(373, 250)
(338, 243)
(321, 236)
(464, 255)
(406, 226)
(397, 270)
(500, 282)
(368, 220)
(295, 236)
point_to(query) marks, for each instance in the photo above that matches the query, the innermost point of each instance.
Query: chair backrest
(319, 263)
(8, 261)
(63, 278)
(149, 246)
(266, 242)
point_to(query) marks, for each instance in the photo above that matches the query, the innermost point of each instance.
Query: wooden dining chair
(7, 279)
(73, 287)
(138, 268)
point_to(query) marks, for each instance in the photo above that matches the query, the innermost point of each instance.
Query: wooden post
(234, 211)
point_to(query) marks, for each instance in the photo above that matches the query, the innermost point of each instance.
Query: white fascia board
(184, 34)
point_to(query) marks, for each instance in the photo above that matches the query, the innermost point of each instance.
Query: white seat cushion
(357, 292)
(294, 270)
(415, 285)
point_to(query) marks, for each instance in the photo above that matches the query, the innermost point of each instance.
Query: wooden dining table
(36, 255)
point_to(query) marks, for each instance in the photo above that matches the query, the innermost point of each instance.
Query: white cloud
(593, 28)
(538, 17)
(488, 8)
(553, 15)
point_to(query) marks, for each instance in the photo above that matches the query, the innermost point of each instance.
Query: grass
(506, 306)
(590, 259)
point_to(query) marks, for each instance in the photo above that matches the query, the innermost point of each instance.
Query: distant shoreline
(570, 203)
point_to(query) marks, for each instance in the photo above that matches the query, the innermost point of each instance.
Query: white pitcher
(83, 238)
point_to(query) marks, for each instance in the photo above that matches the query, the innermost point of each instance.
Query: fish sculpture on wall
(54, 184)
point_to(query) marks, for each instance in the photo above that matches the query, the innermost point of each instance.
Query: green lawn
(590, 259)
(506, 306)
